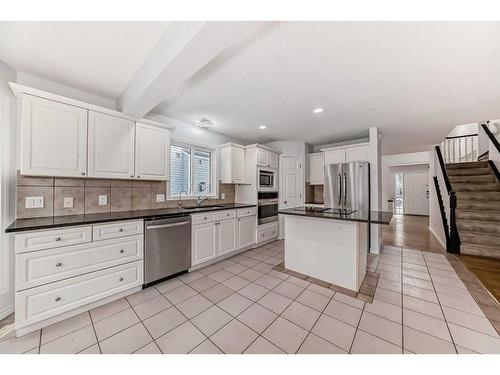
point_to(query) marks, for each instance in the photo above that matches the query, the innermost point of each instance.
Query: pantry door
(416, 193)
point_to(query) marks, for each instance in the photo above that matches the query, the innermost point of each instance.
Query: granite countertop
(375, 217)
(21, 225)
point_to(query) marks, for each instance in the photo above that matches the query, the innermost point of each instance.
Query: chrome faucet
(180, 202)
(200, 200)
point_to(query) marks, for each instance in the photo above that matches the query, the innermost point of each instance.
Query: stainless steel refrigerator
(347, 187)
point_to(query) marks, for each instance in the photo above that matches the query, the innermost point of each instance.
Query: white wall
(435, 221)
(466, 129)
(392, 164)
(8, 151)
(375, 160)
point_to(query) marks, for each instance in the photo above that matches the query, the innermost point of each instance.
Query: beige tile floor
(241, 305)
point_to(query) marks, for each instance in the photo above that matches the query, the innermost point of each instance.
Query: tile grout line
(138, 317)
(95, 332)
(357, 329)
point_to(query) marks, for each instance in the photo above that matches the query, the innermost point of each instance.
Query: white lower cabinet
(221, 234)
(61, 271)
(267, 231)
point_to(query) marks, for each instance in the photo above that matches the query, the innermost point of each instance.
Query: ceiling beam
(184, 49)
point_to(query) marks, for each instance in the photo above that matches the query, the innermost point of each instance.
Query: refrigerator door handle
(345, 191)
(339, 191)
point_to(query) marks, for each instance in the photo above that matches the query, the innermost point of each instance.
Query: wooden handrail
(492, 138)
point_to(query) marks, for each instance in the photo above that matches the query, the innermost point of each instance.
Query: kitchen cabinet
(203, 242)
(335, 156)
(53, 138)
(317, 168)
(152, 152)
(346, 154)
(226, 236)
(110, 146)
(246, 231)
(267, 158)
(359, 153)
(232, 164)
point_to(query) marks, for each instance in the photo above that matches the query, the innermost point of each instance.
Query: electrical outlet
(34, 202)
(160, 198)
(223, 196)
(103, 200)
(68, 202)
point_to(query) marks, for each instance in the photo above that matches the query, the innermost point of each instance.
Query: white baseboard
(437, 238)
(6, 311)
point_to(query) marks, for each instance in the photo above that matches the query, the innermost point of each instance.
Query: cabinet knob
(58, 238)
(59, 264)
(83, 173)
(122, 251)
(131, 176)
(120, 230)
(284, 202)
(57, 299)
(120, 279)
(138, 176)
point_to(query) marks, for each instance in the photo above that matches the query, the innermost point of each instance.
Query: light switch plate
(34, 202)
(68, 202)
(103, 200)
(160, 198)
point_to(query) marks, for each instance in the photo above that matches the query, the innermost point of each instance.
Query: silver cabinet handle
(58, 264)
(57, 299)
(167, 225)
(58, 238)
(122, 251)
(120, 279)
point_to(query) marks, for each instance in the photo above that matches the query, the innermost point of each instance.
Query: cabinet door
(246, 231)
(111, 146)
(204, 243)
(262, 157)
(273, 159)
(152, 152)
(238, 164)
(226, 236)
(53, 138)
(335, 156)
(316, 169)
(356, 154)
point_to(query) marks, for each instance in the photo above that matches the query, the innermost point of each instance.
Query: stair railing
(451, 231)
(460, 149)
(494, 142)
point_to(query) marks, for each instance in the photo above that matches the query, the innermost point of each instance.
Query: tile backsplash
(122, 195)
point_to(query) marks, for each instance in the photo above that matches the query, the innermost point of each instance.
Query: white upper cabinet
(317, 168)
(267, 158)
(359, 153)
(232, 164)
(54, 138)
(335, 156)
(110, 146)
(152, 151)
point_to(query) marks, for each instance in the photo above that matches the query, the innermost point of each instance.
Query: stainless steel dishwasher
(167, 247)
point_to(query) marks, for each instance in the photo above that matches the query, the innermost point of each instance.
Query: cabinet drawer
(226, 214)
(266, 233)
(47, 239)
(120, 229)
(203, 218)
(246, 212)
(43, 302)
(41, 267)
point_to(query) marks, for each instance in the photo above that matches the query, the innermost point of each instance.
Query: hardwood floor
(411, 231)
(487, 270)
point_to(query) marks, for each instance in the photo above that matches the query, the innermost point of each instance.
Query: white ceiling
(413, 80)
(99, 57)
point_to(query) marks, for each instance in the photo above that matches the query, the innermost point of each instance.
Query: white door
(53, 138)
(291, 185)
(226, 233)
(152, 152)
(359, 153)
(238, 164)
(335, 156)
(262, 157)
(111, 146)
(415, 198)
(246, 231)
(204, 243)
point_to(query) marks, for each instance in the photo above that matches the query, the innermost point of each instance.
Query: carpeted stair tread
(466, 186)
(478, 196)
(478, 226)
(473, 179)
(478, 215)
(472, 205)
(484, 239)
(475, 164)
(469, 172)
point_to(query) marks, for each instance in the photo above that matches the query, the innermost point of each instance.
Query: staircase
(478, 207)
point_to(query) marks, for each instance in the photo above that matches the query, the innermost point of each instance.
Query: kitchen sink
(202, 207)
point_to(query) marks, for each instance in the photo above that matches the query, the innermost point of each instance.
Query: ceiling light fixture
(263, 127)
(318, 110)
(205, 123)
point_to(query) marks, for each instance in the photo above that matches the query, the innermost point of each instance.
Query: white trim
(437, 237)
(345, 146)
(5, 312)
(267, 148)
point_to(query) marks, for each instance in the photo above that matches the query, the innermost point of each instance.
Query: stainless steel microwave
(266, 179)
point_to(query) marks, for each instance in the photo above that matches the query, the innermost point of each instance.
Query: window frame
(214, 191)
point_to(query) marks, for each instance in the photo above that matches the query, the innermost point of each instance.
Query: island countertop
(21, 225)
(374, 217)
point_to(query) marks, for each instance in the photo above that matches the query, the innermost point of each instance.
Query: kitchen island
(329, 246)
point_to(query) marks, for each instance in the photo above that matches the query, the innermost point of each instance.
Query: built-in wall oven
(267, 207)
(266, 179)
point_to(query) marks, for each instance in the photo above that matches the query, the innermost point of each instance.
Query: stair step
(478, 196)
(470, 205)
(479, 226)
(482, 251)
(472, 164)
(465, 186)
(469, 171)
(480, 238)
(478, 179)
(477, 215)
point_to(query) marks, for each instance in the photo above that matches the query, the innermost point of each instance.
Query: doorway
(411, 193)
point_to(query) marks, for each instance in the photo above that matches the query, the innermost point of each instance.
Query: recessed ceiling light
(263, 127)
(318, 110)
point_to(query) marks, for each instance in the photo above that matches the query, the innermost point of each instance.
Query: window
(192, 171)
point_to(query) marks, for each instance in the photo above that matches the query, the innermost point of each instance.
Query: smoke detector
(205, 123)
